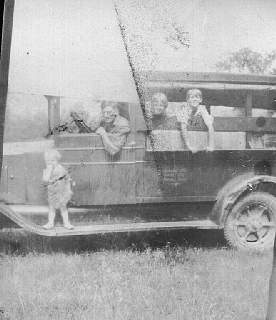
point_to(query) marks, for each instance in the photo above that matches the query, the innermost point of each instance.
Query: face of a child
(51, 162)
(109, 114)
(158, 105)
(194, 100)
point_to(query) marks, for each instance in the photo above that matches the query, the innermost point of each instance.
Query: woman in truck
(157, 113)
(193, 114)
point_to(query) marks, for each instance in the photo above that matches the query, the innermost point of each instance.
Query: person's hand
(43, 183)
(100, 131)
(193, 149)
(47, 173)
(210, 148)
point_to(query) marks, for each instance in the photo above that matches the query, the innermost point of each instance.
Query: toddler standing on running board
(58, 187)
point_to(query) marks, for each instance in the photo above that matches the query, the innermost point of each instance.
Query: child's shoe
(48, 226)
(68, 226)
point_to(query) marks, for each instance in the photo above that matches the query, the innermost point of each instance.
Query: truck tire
(250, 225)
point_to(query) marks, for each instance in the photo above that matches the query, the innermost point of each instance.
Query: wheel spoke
(260, 234)
(258, 211)
(269, 224)
(241, 224)
(246, 212)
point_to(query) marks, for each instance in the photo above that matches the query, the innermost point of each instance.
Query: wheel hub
(250, 224)
(253, 223)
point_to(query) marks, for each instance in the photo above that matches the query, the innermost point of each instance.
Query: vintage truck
(145, 186)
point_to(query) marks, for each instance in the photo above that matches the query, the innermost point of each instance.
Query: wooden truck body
(145, 186)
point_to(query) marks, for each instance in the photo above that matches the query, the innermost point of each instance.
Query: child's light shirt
(59, 187)
(184, 114)
(58, 172)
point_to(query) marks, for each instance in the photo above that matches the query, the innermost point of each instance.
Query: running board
(132, 227)
(103, 228)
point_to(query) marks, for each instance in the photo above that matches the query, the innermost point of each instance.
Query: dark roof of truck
(210, 77)
(217, 88)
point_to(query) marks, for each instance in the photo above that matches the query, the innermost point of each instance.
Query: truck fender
(22, 222)
(234, 190)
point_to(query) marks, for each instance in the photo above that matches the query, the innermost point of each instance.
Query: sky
(215, 28)
(74, 47)
(69, 48)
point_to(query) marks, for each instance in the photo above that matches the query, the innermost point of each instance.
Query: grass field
(170, 282)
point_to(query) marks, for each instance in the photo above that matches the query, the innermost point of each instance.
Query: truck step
(132, 227)
(16, 213)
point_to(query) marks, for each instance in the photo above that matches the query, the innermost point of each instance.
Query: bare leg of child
(64, 214)
(51, 218)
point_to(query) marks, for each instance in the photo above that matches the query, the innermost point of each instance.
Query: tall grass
(169, 283)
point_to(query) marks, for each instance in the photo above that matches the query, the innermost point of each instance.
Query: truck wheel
(250, 225)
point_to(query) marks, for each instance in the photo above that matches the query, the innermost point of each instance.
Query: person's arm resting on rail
(113, 129)
(183, 118)
(209, 120)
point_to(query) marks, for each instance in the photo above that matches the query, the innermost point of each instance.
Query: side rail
(230, 133)
(247, 124)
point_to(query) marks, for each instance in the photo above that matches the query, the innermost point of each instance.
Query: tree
(248, 61)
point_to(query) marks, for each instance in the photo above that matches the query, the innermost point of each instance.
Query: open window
(70, 65)
(243, 108)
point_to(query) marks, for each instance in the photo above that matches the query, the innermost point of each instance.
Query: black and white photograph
(138, 160)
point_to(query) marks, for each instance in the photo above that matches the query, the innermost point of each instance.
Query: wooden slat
(249, 104)
(263, 97)
(208, 85)
(78, 141)
(248, 113)
(246, 124)
(241, 124)
(71, 140)
(209, 77)
(216, 156)
(97, 154)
